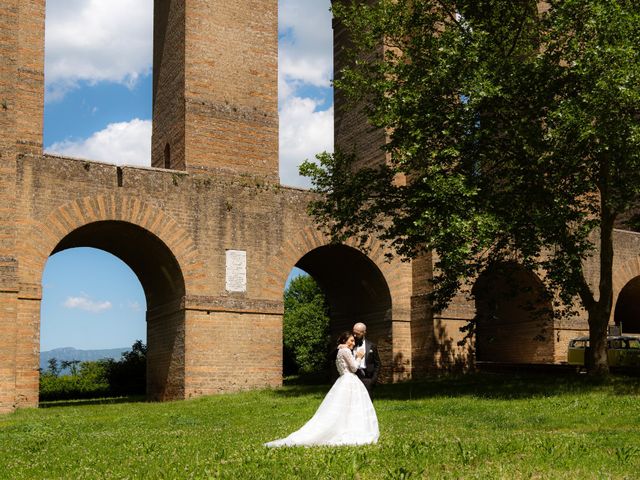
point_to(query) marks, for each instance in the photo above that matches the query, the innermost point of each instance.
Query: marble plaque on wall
(236, 278)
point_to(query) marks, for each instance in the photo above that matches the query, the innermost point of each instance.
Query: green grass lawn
(477, 426)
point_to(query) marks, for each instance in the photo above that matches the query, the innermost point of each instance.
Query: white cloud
(96, 40)
(124, 143)
(135, 306)
(304, 132)
(305, 47)
(85, 303)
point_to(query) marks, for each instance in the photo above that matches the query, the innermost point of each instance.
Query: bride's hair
(344, 336)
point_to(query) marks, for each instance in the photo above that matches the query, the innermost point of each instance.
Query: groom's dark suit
(369, 375)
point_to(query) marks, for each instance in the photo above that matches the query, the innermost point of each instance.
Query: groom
(370, 366)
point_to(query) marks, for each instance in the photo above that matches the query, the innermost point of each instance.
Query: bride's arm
(351, 362)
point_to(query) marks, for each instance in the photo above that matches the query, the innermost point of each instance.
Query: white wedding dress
(346, 415)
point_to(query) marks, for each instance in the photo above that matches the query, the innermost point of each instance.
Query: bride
(346, 415)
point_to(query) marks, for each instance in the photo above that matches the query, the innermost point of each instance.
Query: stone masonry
(210, 202)
(213, 188)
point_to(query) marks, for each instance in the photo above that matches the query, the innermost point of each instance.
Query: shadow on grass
(487, 385)
(92, 401)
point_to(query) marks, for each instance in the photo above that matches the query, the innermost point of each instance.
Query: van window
(615, 344)
(634, 343)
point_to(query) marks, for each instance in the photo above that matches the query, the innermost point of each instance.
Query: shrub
(89, 381)
(100, 378)
(128, 376)
(306, 327)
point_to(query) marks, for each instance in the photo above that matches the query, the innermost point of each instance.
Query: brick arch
(308, 239)
(388, 320)
(42, 237)
(513, 316)
(621, 276)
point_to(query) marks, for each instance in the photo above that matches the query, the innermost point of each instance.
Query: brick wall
(168, 85)
(204, 340)
(21, 109)
(29, 88)
(215, 104)
(8, 310)
(352, 132)
(216, 94)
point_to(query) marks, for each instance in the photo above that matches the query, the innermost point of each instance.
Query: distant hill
(70, 353)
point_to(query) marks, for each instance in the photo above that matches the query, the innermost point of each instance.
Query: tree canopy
(513, 133)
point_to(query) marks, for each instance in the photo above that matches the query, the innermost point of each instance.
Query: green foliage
(53, 368)
(72, 365)
(128, 376)
(475, 426)
(88, 380)
(96, 379)
(305, 327)
(513, 134)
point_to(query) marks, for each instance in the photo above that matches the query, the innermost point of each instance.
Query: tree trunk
(600, 311)
(596, 361)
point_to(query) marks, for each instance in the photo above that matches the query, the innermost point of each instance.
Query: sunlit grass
(479, 426)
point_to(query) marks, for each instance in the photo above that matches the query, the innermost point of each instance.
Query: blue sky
(98, 58)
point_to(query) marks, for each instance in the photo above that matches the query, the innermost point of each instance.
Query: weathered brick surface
(30, 76)
(166, 355)
(215, 86)
(352, 132)
(8, 313)
(21, 108)
(168, 85)
(230, 351)
(215, 104)
(201, 338)
(8, 75)
(27, 351)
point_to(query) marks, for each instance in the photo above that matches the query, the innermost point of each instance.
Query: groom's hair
(360, 326)
(344, 336)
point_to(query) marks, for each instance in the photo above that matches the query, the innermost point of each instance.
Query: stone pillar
(27, 350)
(8, 308)
(422, 328)
(167, 140)
(165, 354)
(216, 86)
(233, 344)
(21, 113)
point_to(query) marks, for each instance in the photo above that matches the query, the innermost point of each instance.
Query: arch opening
(514, 322)
(82, 282)
(355, 288)
(627, 309)
(92, 309)
(355, 291)
(163, 284)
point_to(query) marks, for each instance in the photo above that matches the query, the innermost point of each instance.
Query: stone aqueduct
(211, 204)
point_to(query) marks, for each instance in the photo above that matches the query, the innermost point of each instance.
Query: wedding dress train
(346, 415)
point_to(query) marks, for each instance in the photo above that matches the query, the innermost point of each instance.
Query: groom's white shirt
(362, 348)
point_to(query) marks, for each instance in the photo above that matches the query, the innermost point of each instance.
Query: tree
(305, 327)
(129, 374)
(95, 379)
(72, 365)
(513, 134)
(85, 380)
(52, 367)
